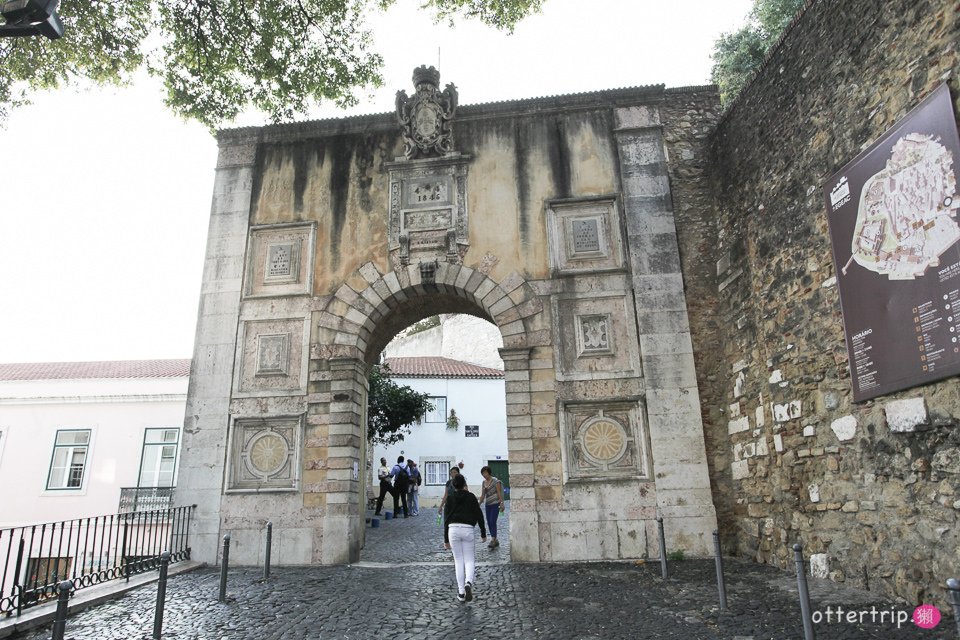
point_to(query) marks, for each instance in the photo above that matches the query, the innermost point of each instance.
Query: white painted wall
(459, 337)
(479, 402)
(117, 411)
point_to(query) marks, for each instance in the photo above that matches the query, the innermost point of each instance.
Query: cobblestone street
(414, 598)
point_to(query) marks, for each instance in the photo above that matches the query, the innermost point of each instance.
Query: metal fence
(86, 551)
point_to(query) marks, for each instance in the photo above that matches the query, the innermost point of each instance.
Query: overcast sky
(106, 196)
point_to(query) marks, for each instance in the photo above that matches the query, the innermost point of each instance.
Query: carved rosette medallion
(265, 454)
(268, 452)
(426, 116)
(604, 440)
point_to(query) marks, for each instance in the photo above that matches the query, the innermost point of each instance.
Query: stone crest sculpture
(426, 117)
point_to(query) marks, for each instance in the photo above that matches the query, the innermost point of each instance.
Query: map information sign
(895, 229)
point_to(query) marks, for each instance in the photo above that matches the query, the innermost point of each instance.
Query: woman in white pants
(461, 514)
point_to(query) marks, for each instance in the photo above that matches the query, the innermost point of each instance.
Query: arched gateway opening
(393, 301)
(550, 218)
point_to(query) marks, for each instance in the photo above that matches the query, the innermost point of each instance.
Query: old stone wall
(871, 489)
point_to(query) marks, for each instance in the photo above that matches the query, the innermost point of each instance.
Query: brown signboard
(894, 217)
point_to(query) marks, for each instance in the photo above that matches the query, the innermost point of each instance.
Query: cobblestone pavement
(420, 539)
(404, 589)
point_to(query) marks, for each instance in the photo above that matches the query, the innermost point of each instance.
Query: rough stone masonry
(871, 489)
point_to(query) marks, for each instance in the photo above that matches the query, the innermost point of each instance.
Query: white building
(80, 443)
(74, 434)
(476, 396)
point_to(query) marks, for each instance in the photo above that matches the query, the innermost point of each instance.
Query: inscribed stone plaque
(431, 192)
(282, 259)
(584, 235)
(279, 260)
(265, 454)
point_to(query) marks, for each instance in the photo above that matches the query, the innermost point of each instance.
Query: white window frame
(162, 444)
(71, 448)
(429, 418)
(426, 462)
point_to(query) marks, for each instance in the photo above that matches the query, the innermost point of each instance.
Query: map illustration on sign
(907, 214)
(894, 219)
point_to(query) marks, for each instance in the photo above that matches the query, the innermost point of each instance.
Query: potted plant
(452, 420)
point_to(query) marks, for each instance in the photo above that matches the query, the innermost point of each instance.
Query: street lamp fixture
(31, 18)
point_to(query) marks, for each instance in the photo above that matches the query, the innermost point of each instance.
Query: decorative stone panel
(596, 335)
(279, 259)
(265, 454)
(428, 210)
(584, 235)
(272, 357)
(604, 440)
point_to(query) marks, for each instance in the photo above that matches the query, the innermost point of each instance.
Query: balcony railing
(133, 499)
(87, 551)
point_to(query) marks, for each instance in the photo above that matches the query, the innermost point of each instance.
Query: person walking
(448, 488)
(386, 486)
(413, 493)
(491, 496)
(401, 482)
(461, 514)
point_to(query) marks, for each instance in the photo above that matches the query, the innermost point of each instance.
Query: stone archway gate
(549, 217)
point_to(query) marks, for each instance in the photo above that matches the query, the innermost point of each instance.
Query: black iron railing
(145, 498)
(86, 551)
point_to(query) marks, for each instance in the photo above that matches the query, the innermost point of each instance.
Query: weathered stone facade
(616, 239)
(551, 218)
(872, 489)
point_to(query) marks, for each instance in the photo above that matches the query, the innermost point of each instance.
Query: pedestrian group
(459, 510)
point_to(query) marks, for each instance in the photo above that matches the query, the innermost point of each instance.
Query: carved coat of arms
(426, 117)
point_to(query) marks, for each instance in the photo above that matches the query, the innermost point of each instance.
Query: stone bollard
(63, 603)
(719, 562)
(953, 594)
(224, 563)
(663, 549)
(808, 633)
(161, 595)
(266, 554)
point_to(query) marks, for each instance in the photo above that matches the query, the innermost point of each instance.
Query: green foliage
(677, 556)
(737, 55)
(219, 57)
(502, 14)
(423, 325)
(392, 409)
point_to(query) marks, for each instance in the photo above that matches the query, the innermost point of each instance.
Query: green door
(500, 469)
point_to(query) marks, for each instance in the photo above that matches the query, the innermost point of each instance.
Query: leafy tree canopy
(392, 409)
(218, 57)
(737, 55)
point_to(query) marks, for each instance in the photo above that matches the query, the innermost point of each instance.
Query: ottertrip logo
(840, 194)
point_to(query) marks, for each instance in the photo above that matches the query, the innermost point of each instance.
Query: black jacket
(462, 508)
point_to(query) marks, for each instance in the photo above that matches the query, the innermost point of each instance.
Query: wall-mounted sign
(893, 218)
(471, 431)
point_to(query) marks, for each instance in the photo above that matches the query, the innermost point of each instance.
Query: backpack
(403, 478)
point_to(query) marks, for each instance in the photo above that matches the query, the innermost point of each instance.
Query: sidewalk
(404, 589)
